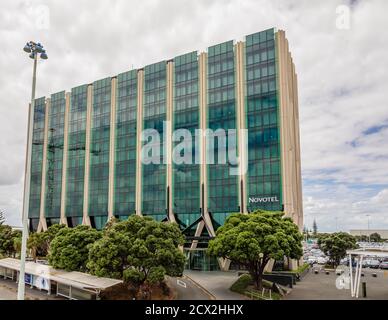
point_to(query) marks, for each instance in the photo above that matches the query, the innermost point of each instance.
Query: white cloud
(342, 79)
(340, 208)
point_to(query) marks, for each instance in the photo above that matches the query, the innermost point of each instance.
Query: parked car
(365, 263)
(312, 260)
(322, 260)
(374, 264)
(354, 263)
(384, 265)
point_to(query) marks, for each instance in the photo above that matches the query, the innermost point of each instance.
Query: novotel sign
(263, 199)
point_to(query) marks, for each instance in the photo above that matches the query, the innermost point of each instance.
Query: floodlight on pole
(35, 50)
(368, 215)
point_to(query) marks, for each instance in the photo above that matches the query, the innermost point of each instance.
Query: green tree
(37, 245)
(375, 237)
(140, 250)
(306, 233)
(315, 229)
(50, 234)
(362, 238)
(53, 230)
(253, 239)
(17, 242)
(39, 242)
(334, 245)
(108, 256)
(6, 240)
(69, 249)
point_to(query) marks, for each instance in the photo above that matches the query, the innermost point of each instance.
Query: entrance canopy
(374, 252)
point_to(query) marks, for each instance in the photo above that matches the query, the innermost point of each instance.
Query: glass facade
(37, 161)
(99, 153)
(76, 155)
(206, 91)
(186, 176)
(125, 150)
(222, 188)
(199, 260)
(264, 176)
(55, 141)
(154, 114)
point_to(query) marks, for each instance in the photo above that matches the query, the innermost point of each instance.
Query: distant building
(17, 228)
(365, 232)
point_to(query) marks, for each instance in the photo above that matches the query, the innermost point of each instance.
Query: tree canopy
(375, 237)
(6, 240)
(315, 228)
(334, 245)
(39, 242)
(69, 249)
(253, 239)
(139, 250)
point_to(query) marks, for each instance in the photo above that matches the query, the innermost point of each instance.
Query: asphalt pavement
(322, 286)
(188, 290)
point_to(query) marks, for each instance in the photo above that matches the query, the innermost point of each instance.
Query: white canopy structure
(381, 252)
(65, 280)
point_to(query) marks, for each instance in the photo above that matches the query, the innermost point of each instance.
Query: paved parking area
(323, 287)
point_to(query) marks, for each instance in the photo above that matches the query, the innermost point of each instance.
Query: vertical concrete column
(240, 115)
(202, 145)
(203, 124)
(86, 219)
(42, 219)
(298, 156)
(64, 161)
(289, 131)
(139, 129)
(168, 135)
(112, 148)
(293, 155)
(282, 89)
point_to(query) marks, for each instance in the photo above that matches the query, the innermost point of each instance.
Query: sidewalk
(8, 291)
(217, 283)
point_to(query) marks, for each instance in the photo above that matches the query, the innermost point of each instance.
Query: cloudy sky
(342, 65)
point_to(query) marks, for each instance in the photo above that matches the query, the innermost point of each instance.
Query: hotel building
(86, 153)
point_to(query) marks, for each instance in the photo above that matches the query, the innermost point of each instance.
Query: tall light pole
(35, 50)
(368, 215)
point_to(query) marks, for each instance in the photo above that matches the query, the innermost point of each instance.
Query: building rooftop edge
(199, 52)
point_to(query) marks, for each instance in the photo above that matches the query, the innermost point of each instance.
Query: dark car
(384, 265)
(354, 263)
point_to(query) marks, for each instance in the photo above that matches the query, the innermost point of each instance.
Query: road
(190, 292)
(217, 283)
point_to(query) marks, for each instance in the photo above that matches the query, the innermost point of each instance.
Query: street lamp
(368, 215)
(34, 50)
